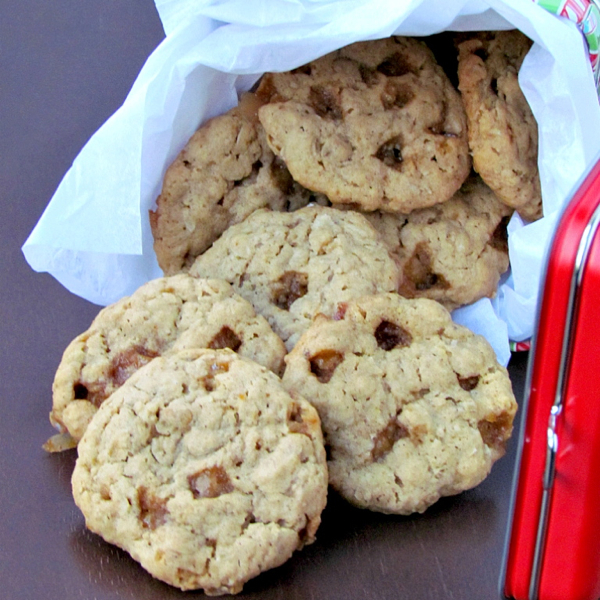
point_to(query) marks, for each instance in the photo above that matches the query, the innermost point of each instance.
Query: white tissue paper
(95, 237)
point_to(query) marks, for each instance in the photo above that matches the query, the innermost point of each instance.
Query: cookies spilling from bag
(313, 240)
(377, 126)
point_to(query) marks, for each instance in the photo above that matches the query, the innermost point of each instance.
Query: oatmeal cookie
(454, 252)
(164, 315)
(204, 469)
(503, 133)
(376, 123)
(413, 406)
(225, 172)
(292, 266)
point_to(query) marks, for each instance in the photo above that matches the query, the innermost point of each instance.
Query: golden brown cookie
(225, 172)
(376, 123)
(413, 406)
(503, 133)
(164, 315)
(454, 252)
(204, 469)
(293, 266)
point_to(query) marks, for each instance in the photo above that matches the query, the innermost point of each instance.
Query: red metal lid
(553, 549)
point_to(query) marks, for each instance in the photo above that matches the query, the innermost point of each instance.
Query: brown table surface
(65, 66)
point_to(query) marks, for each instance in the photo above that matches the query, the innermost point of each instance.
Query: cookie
(292, 266)
(204, 469)
(454, 252)
(376, 123)
(413, 406)
(503, 133)
(164, 315)
(225, 172)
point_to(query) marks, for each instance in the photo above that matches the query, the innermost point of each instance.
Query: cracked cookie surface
(166, 314)
(292, 266)
(225, 172)
(204, 469)
(454, 252)
(413, 406)
(376, 123)
(503, 133)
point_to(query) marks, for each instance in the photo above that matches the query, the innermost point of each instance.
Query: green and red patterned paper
(586, 15)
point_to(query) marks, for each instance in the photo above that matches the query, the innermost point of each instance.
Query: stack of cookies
(313, 240)
(192, 454)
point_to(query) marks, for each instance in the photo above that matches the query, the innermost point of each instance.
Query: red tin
(553, 543)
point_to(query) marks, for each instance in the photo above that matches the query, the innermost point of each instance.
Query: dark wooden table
(65, 66)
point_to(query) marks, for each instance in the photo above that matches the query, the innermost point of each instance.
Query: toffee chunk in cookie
(225, 172)
(503, 133)
(293, 266)
(204, 469)
(376, 123)
(413, 406)
(166, 314)
(454, 252)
